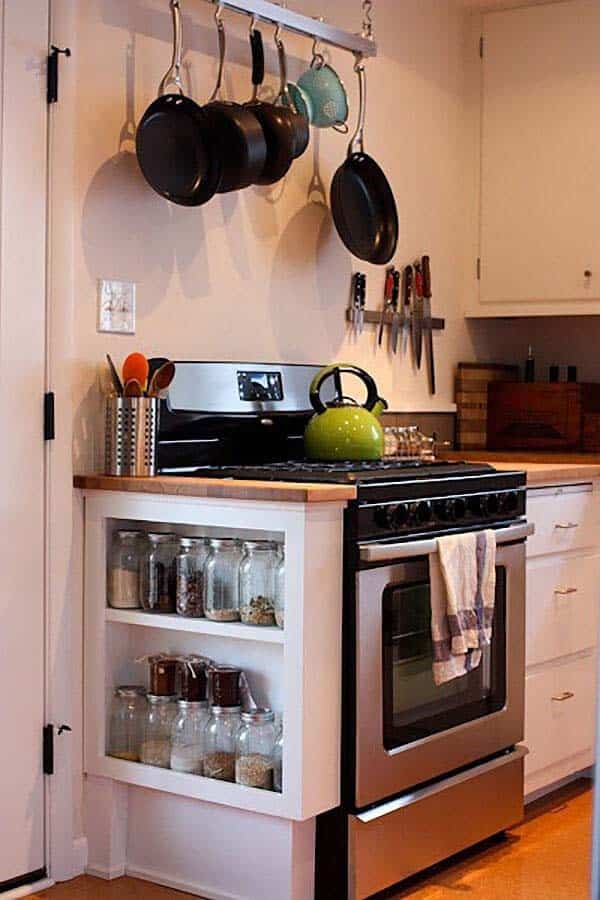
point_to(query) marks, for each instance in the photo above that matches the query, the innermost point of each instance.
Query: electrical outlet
(116, 306)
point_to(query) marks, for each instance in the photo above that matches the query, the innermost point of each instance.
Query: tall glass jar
(190, 577)
(220, 742)
(124, 570)
(280, 589)
(158, 574)
(222, 602)
(257, 583)
(278, 761)
(254, 749)
(127, 716)
(155, 749)
(187, 736)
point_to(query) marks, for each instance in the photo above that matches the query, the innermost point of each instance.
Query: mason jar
(280, 589)
(255, 745)
(158, 574)
(220, 742)
(155, 749)
(163, 675)
(127, 716)
(278, 761)
(221, 599)
(124, 570)
(190, 577)
(257, 582)
(187, 736)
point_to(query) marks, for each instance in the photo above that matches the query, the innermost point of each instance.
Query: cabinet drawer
(562, 606)
(560, 712)
(565, 518)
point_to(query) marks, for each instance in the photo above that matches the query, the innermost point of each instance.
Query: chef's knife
(417, 316)
(362, 301)
(395, 314)
(355, 305)
(387, 302)
(397, 317)
(407, 290)
(427, 325)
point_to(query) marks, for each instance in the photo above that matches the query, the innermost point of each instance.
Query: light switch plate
(116, 306)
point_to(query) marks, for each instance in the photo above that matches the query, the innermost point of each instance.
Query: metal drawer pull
(563, 592)
(568, 695)
(566, 526)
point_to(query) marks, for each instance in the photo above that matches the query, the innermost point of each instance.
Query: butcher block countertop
(221, 488)
(542, 468)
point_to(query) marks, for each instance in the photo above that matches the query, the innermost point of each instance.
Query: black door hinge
(481, 46)
(52, 87)
(49, 425)
(48, 750)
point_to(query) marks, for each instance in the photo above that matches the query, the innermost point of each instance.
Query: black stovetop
(387, 470)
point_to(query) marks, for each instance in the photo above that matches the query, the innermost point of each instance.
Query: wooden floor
(547, 858)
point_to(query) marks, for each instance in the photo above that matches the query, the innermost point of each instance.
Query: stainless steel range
(426, 770)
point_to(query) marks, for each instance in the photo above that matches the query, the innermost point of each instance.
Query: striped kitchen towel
(463, 591)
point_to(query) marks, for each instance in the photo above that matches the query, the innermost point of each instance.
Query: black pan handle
(258, 59)
(335, 371)
(173, 75)
(426, 266)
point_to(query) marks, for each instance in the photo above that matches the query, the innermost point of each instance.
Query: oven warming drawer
(398, 839)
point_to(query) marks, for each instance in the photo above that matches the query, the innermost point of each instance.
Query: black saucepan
(237, 131)
(276, 121)
(362, 203)
(174, 144)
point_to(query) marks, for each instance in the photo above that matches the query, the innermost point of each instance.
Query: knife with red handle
(417, 316)
(387, 302)
(427, 323)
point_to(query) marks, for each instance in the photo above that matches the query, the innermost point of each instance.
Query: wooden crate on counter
(544, 416)
(472, 380)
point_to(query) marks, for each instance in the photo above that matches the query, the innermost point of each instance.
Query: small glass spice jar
(158, 574)
(280, 589)
(124, 570)
(190, 577)
(257, 583)
(278, 761)
(221, 599)
(220, 742)
(128, 712)
(155, 749)
(255, 747)
(163, 675)
(224, 685)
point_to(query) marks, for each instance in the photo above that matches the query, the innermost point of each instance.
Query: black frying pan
(276, 121)
(362, 202)
(175, 148)
(237, 132)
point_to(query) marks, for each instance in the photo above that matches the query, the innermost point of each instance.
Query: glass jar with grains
(254, 749)
(187, 736)
(280, 589)
(158, 574)
(155, 749)
(278, 761)
(257, 582)
(124, 570)
(220, 742)
(222, 601)
(127, 716)
(190, 576)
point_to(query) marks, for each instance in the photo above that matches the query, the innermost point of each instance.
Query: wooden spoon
(133, 389)
(136, 368)
(161, 380)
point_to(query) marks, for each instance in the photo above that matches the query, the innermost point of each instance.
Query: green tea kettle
(342, 430)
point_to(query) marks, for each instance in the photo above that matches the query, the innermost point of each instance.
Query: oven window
(413, 707)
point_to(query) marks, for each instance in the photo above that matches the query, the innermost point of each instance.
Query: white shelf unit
(296, 671)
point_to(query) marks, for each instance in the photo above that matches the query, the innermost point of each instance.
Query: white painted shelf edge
(208, 789)
(236, 630)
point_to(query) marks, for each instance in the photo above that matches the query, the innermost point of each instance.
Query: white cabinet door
(540, 204)
(24, 46)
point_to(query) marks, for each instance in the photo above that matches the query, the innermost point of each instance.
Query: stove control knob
(476, 507)
(459, 509)
(492, 504)
(510, 502)
(402, 515)
(424, 512)
(385, 516)
(442, 511)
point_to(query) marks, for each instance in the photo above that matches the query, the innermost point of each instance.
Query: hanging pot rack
(316, 29)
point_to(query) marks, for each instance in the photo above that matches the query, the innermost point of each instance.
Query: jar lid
(161, 537)
(224, 542)
(260, 545)
(158, 698)
(130, 690)
(130, 534)
(258, 715)
(188, 542)
(194, 704)
(225, 710)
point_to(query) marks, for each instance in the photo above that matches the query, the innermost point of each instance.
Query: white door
(23, 116)
(540, 202)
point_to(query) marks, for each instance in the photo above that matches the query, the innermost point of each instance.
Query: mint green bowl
(327, 96)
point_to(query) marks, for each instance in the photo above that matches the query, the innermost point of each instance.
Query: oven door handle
(390, 552)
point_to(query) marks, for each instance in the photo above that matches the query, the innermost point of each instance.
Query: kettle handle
(335, 371)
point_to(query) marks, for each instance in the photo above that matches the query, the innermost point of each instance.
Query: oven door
(408, 731)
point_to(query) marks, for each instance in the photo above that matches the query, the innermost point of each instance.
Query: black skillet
(175, 148)
(276, 121)
(362, 202)
(237, 131)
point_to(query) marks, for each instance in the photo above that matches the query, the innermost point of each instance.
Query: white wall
(262, 274)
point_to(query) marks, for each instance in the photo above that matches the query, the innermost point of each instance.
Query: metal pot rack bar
(274, 14)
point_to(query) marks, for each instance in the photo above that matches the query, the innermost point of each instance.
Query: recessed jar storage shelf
(295, 671)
